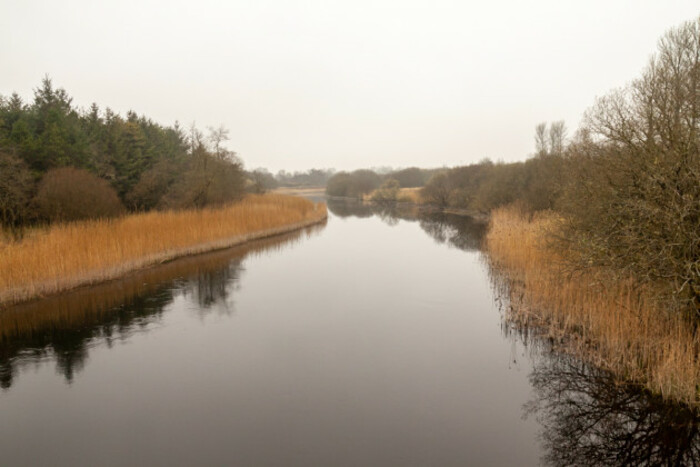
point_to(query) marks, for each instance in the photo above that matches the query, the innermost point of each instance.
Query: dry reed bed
(614, 324)
(74, 254)
(89, 305)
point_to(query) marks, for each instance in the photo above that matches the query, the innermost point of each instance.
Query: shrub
(69, 194)
(388, 192)
(438, 189)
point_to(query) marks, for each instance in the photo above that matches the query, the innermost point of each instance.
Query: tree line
(262, 179)
(626, 185)
(360, 182)
(58, 162)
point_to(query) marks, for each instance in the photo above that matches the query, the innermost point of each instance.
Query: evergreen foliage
(148, 165)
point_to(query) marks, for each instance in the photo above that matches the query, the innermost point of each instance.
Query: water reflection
(64, 327)
(211, 289)
(458, 231)
(589, 419)
(350, 208)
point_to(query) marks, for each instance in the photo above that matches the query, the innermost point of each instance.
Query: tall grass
(68, 255)
(88, 305)
(614, 323)
(405, 195)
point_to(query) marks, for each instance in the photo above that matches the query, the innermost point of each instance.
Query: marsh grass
(405, 195)
(410, 195)
(613, 322)
(68, 255)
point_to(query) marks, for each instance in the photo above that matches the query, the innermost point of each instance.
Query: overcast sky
(344, 84)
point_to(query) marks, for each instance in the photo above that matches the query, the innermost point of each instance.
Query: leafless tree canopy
(634, 200)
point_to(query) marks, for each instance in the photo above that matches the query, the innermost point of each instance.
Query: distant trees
(438, 190)
(260, 181)
(147, 165)
(485, 186)
(361, 182)
(310, 178)
(354, 184)
(552, 141)
(411, 177)
(388, 192)
(627, 186)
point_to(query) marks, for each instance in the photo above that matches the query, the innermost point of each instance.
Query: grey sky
(349, 84)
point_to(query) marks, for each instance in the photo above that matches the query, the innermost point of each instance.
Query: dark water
(373, 340)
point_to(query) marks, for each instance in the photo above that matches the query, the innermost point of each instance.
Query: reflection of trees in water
(461, 232)
(349, 208)
(67, 341)
(212, 288)
(588, 419)
(64, 327)
(454, 230)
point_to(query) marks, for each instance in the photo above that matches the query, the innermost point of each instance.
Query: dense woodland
(61, 163)
(626, 186)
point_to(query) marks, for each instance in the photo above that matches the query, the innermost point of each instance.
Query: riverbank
(302, 192)
(613, 323)
(67, 256)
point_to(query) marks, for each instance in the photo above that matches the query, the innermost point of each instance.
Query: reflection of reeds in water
(69, 255)
(614, 324)
(62, 325)
(83, 306)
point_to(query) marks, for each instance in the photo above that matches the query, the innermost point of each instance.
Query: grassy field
(65, 256)
(613, 323)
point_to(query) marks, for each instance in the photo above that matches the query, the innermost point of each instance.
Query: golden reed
(614, 324)
(69, 255)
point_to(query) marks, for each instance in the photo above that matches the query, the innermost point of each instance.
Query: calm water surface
(375, 339)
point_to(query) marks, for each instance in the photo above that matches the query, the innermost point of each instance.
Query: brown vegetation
(615, 323)
(410, 195)
(16, 191)
(70, 194)
(388, 192)
(90, 304)
(633, 202)
(72, 254)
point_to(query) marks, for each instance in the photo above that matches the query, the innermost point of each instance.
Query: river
(377, 338)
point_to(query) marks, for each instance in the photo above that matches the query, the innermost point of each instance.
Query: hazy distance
(304, 84)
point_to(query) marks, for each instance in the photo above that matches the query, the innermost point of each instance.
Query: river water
(374, 339)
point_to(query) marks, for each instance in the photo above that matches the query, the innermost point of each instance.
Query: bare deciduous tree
(557, 137)
(541, 139)
(635, 202)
